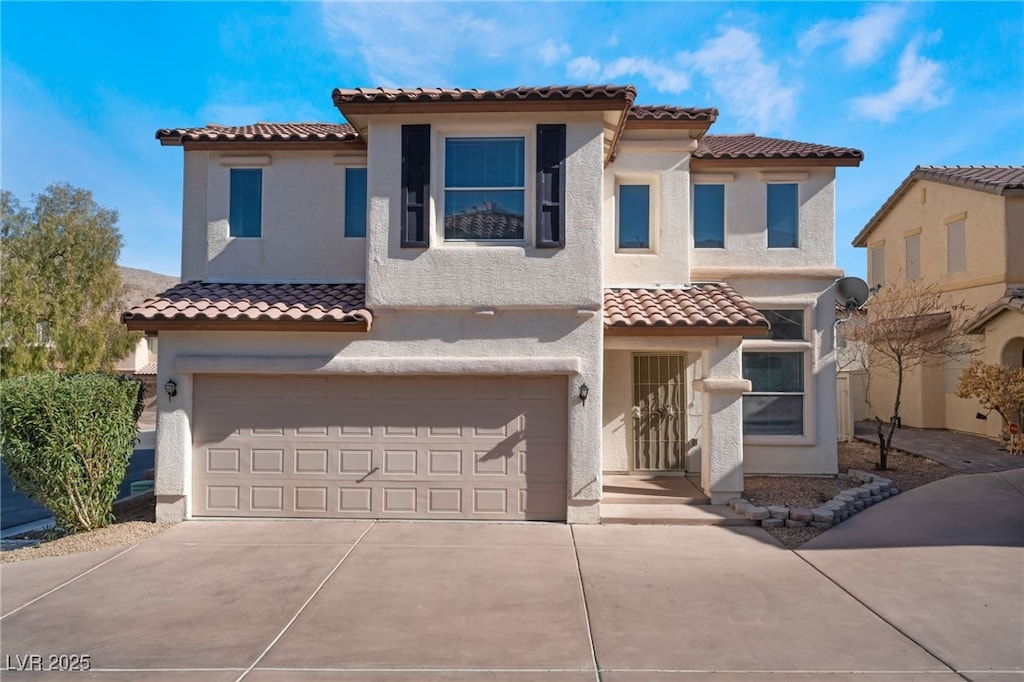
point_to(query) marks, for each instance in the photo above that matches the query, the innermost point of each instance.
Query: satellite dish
(851, 292)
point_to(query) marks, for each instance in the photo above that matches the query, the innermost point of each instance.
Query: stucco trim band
(722, 385)
(273, 364)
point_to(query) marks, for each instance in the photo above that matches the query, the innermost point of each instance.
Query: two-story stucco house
(961, 229)
(472, 304)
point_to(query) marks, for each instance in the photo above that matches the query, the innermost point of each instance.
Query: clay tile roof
(199, 304)
(261, 132)
(343, 96)
(997, 180)
(670, 113)
(750, 146)
(486, 221)
(698, 306)
(1012, 299)
(148, 369)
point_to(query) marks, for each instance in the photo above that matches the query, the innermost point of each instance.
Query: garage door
(384, 447)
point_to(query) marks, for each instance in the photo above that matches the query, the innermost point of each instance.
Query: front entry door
(659, 412)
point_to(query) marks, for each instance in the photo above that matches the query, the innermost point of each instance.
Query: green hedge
(66, 440)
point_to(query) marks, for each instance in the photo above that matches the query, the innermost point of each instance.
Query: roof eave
(775, 162)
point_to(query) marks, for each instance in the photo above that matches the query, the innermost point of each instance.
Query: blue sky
(86, 85)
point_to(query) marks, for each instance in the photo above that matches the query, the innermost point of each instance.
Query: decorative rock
(846, 500)
(822, 524)
(801, 514)
(875, 499)
(790, 523)
(822, 514)
(734, 502)
(862, 476)
(778, 512)
(863, 492)
(859, 505)
(894, 491)
(851, 492)
(773, 523)
(883, 483)
(756, 513)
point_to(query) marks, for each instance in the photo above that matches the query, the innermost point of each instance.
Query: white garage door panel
(389, 447)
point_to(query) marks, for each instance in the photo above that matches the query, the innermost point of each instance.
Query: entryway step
(659, 490)
(673, 515)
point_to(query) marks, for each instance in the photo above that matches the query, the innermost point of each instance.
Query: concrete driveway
(318, 600)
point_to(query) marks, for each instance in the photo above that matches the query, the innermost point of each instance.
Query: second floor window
(876, 266)
(783, 216)
(355, 202)
(956, 258)
(484, 188)
(709, 216)
(245, 214)
(634, 216)
(913, 265)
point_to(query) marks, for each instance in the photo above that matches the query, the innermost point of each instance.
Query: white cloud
(920, 86)
(551, 52)
(863, 38)
(751, 87)
(661, 76)
(424, 43)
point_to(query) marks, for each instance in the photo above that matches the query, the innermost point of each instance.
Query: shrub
(66, 441)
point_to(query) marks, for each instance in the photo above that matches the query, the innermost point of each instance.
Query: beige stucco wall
(303, 211)
(479, 274)
(994, 243)
(419, 342)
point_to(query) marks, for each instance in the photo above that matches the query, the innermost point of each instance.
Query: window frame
(960, 222)
(653, 213)
(796, 213)
(528, 189)
(693, 214)
(344, 201)
(803, 346)
(231, 195)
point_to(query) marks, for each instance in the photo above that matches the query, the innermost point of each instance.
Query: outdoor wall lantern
(172, 388)
(584, 392)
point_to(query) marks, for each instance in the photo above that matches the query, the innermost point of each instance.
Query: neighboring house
(852, 386)
(471, 304)
(138, 285)
(961, 228)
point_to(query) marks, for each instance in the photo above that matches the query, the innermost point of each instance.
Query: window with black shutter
(415, 185)
(550, 186)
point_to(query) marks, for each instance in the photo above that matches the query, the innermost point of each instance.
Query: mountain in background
(141, 284)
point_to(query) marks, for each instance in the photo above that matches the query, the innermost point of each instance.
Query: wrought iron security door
(659, 412)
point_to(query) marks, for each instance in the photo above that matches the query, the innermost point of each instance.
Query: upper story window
(783, 216)
(876, 265)
(786, 325)
(956, 251)
(485, 188)
(355, 202)
(709, 216)
(913, 264)
(634, 217)
(245, 215)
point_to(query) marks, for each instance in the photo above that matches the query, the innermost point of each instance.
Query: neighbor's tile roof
(485, 221)
(522, 93)
(701, 305)
(1012, 299)
(148, 369)
(261, 132)
(642, 112)
(992, 179)
(205, 302)
(750, 146)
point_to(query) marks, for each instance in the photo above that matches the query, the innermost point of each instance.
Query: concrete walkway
(961, 451)
(336, 600)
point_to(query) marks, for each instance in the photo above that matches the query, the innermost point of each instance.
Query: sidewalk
(966, 453)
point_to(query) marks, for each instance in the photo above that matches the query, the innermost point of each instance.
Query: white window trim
(345, 166)
(654, 226)
(263, 203)
(725, 216)
(806, 347)
(437, 186)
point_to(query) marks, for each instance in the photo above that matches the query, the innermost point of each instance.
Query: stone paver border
(872, 490)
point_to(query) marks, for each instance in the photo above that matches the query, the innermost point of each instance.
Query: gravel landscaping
(905, 470)
(135, 517)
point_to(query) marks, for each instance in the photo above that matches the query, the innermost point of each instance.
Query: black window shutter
(550, 186)
(415, 185)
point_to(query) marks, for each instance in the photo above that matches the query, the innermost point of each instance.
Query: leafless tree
(910, 324)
